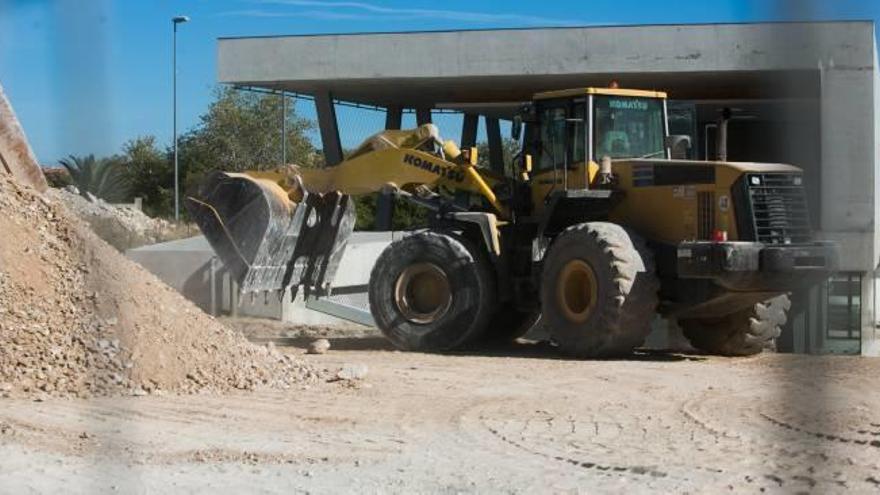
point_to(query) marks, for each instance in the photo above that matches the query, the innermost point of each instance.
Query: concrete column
(496, 154)
(384, 200)
(469, 130)
(848, 168)
(469, 127)
(850, 182)
(423, 115)
(870, 333)
(800, 332)
(329, 127)
(393, 117)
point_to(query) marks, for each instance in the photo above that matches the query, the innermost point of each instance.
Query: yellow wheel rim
(422, 293)
(576, 290)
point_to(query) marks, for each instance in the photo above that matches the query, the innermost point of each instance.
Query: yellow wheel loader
(596, 230)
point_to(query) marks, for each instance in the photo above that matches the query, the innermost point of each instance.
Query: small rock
(320, 346)
(352, 372)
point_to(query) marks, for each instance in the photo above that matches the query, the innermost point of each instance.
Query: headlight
(798, 180)
(756, 181)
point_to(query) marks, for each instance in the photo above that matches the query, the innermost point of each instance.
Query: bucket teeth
(266, 241)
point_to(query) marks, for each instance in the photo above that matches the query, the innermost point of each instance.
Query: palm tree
(104, 178)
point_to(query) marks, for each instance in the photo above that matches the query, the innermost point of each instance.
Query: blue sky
(85, 76)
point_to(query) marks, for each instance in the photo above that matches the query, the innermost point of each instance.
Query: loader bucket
(266, 241)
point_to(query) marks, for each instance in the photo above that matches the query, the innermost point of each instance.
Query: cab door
(558, 147)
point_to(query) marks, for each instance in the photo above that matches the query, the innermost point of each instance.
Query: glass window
(683, 121)
(552, 138)
(628, 127)
(561, 134)
(845, 306)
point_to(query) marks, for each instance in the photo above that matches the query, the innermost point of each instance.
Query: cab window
(628, 127)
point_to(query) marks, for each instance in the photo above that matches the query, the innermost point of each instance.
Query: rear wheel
(598, 290)
(429, 292)
(744, 333)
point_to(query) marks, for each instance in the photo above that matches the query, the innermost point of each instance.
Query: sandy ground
(519, 421)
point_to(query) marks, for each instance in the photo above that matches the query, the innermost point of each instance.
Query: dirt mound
(78, 319)
(122, 227)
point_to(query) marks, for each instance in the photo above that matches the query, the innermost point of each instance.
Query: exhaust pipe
(721, 141)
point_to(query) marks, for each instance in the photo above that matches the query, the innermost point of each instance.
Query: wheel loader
(598, 228)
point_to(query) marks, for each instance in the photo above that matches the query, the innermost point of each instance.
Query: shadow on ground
(518, 349)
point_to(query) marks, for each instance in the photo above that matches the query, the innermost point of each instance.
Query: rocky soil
(122, 227)
(78, 319)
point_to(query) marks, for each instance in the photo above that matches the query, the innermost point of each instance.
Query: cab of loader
(570, 133)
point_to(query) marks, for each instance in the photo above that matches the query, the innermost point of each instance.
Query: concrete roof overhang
(708, 61)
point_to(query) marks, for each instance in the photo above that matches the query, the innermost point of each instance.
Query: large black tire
(403, 288)
(598, 290)
(744, 333)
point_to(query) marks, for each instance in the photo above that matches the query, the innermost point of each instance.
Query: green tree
(241, 131)
(404, 216)
(509, 149)
(150, 174)
(104, 178)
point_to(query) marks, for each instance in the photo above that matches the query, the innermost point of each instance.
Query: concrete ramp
(16, 156)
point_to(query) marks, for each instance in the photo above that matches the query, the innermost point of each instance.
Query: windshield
(628, 127)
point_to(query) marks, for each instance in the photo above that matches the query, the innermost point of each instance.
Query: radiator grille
(779, 208)
(705, 215)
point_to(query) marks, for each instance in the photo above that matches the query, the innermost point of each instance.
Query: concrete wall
(543, 52)
(185, 265)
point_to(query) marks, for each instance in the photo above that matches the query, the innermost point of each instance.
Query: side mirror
(678, 144)
(516, 128)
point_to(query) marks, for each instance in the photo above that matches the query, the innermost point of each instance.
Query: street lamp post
(180, 19)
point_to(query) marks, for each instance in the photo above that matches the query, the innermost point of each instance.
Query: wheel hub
(422, 293)
(576, 290)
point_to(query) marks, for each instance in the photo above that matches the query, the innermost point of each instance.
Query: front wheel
(430, 292)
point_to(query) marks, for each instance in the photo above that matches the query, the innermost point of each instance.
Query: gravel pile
(78, 319)
(122, 227)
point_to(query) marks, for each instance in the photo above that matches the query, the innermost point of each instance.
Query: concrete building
(801, 93)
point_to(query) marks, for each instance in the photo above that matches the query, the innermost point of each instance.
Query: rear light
(719, 236)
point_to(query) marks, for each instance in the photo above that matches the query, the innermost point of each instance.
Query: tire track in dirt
(802, 455)
(720, 456)
(575, 438)
(823, 436)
